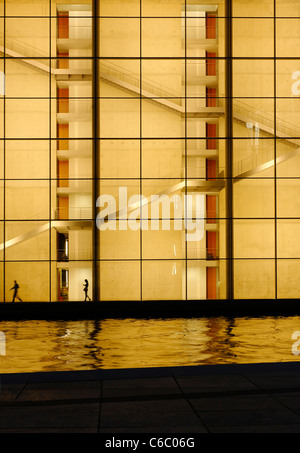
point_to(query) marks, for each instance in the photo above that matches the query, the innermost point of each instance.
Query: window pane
(287, 280)
(24, 79)
(160, 155)
(119, 159)
(287, 33)
(254, 238)
(27, 37)
(253, 78)
(286, 8)
(253, 118)
(119, 118)
(119, 78)
(128, 8)
(120, 281)
(288, 245)
(255, 8)
(23, 273)
(27, 8)
(27, 118)
(254, 279)
(27, 200)
(253, 157)
(254, 198)
(27, 241)
(119, 37)
(19, 152)
(260, 32)
(167, 33)
(163, 280)
(287, 115)
(288, 191)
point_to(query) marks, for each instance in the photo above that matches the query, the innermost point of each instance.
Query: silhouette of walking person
(85, 289)
(15, 296)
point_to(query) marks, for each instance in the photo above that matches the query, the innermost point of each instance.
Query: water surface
(34, 346)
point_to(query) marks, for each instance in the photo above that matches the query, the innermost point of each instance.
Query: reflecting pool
(33, 346)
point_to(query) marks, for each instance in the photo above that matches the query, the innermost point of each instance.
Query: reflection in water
(33, 346)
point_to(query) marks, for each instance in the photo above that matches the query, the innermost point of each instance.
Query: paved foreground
(260, 398)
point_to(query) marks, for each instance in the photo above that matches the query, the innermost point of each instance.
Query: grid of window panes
(158, 128)
(46, 149)
(265, 148)
(161, 128)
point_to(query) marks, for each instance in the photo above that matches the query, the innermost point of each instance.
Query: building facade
(150, 147)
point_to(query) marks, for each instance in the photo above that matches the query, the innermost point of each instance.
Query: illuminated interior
(190, 103)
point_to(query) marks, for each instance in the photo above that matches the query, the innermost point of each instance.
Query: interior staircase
(113, 74)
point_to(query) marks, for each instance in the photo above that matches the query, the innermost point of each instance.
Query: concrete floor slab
(257, 398)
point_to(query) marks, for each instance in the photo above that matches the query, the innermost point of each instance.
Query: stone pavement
(258, 398)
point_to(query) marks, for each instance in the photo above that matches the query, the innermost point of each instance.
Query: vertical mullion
(50, 152)
(185, 147)
(275, 155)
(96, 154)
(4, 150)
(229, 152)
(141, 153)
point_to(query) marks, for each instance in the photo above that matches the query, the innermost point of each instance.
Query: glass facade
(150, 147)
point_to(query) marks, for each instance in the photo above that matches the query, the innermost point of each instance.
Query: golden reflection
(34, 346)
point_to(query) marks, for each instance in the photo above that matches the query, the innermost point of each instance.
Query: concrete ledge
(147, 309)
(160, 372)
